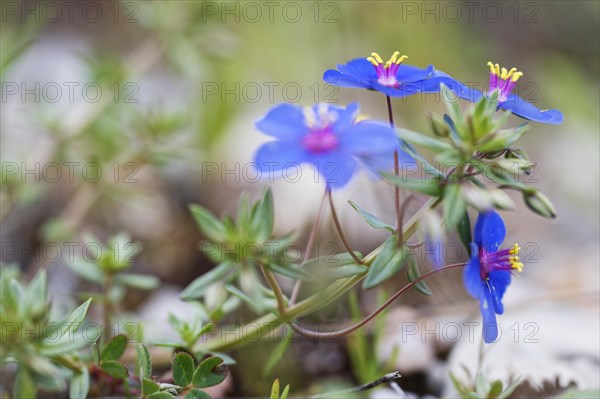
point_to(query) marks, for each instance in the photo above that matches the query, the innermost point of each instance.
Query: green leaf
(149, 386)
(36, 292)
(183, 369)
(24, 385)
(373, 220)
(482, 385)
(114, 369)
(389, 261)
(454, 205)
(501, 139)
(196, 393)
(509, 389)
(197, 287)
(262, 217)
(540, 204)
(65, 345)
(574, 393)
(160, 395)
(285, 392)
(275, 389)
(86, 270)
(139, 281)
(343, 271)
(210, 372)
(144, 362)
(114, 349)
(208, 223)
(495, 389)
(464, 231)
(428, 142)
(80, 384)
(413, 273)
(292, 271)
(429, 186)
(73, 322)
(277, 354)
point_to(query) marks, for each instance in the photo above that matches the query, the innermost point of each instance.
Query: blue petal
(368, 137)
(498, 282)
(472, 275)
(346, 116)
(489, 231)
(275, 156)
(431, 85)
(490, 326)
(460, 89)
(284, 121)
(410, 73)
(336, 168)
(337, 78)
(359, 69)
(404, 90)
(524, 109)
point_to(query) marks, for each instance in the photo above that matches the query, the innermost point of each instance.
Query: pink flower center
(386, 72)
(320, 141)
(502, 80)
(504, 259)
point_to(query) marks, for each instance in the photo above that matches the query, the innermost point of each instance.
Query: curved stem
(338, 227)
(311, 240)
(348, 330)
(274, 287)
(401, 214)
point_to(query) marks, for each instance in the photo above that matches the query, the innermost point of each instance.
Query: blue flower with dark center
(504, 81)
(392, 78)
(327, 137)
(488, 273)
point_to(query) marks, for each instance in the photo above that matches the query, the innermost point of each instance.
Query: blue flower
(327, 137)
(504, 81)
(392, 78)
(488, 273)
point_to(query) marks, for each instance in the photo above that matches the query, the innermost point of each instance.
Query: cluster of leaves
(189, 376)
(478, 147)
(39, 345)
(484, 388)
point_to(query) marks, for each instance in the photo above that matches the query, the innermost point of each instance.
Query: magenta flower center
(320, 141)
(502, 80)
(386, 72)
(504, 259)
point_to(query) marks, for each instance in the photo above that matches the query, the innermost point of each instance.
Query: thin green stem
(386, 379)
(338, 227)
(274, 287)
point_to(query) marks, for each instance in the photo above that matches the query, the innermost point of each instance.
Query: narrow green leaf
(80, 384)
(464, 231)
(371, 219)
(74, 320)
(262, 218)
(86, 270)
(429, 186)
(65, 345)
(509, 389)
(292, 271)
(183, 369)
(389, 261)
(482, 385)
(197, 287)
(114, 349)
(24, 385)
(36, 292)
(428, 142)
(275, 389)
(285, 392)
(454, 205)
(208, 223)
(144, 362)
(210, 372)
(139, 281)
(413, 273)
(495, 389)
(114, 369)
(277, 354)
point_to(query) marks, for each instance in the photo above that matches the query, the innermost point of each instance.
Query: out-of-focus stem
(340, 231)
(274, 287)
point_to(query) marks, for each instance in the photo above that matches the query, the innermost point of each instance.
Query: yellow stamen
(377, 57)
(516, 76)
(396, 58)
(372, 61)
(514, 258)
(504, 73)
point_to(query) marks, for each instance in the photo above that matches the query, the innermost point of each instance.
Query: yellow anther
(492, 67)
(377, 57)
(401, 59)
(504, 74)
(372, 61)
(387, 64)
(516, 76)
(394, 57)
(518, 266)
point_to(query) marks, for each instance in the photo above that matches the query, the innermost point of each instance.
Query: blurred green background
(181, 85)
